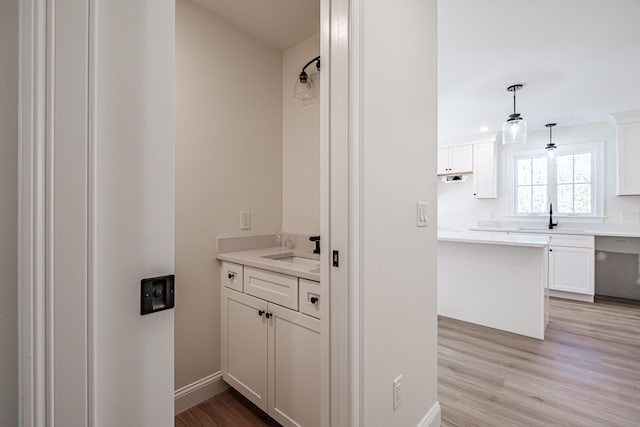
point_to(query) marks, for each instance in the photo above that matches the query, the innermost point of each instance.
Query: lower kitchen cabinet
(571, 269)
(271, 354)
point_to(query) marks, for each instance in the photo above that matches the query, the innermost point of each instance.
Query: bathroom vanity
(270, 305)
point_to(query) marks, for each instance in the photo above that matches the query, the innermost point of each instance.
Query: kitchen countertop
(256, 258)
(492, 239)
(603, 233)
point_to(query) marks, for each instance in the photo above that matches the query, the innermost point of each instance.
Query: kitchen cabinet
(484, 171)
(571, 269)
(270, 351)
(628, 153)
(455, 160)
(571, 265)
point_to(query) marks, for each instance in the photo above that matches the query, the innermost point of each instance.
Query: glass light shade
(514, 131)
(303, 90)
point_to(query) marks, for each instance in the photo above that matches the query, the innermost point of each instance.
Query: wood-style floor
(585, 373)
(227, 409)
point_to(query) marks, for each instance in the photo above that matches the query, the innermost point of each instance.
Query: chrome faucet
(551, 223)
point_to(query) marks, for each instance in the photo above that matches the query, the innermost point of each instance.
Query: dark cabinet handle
(268, 315)
(232, 276)
(260, 313)
(313, 300)
(550, 250)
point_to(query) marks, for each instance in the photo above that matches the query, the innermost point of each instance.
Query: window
(531, 185)
(568, 181)
(574, 189)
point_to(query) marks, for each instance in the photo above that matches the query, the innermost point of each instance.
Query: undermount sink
(294, 259)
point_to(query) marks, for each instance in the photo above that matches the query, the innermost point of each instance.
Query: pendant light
(550, 147)
(514, 130)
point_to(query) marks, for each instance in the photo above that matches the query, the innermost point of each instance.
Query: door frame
(340, 145)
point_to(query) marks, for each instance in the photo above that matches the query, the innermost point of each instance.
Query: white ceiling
(579, 61)
(280, 23)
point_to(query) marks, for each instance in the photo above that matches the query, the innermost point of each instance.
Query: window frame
(597, 179)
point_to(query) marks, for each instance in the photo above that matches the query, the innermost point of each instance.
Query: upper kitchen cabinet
(484, 171)
(455, 160)
(628, 152)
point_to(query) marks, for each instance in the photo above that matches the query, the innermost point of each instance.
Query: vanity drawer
(310, 290)
(273, 287)
(231, 275)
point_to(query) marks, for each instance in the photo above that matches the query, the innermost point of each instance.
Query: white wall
(134, 107)
(457, 209)
(8, 212)
(300, 143)
(399, 151)
(228, 159)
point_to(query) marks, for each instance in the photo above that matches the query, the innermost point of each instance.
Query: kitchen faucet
(551, 223)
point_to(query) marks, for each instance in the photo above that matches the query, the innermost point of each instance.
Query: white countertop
(604, 233)
(256, 258)
(479, 237)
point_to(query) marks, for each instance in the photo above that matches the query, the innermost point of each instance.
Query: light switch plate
(245, 220)
(423, 214)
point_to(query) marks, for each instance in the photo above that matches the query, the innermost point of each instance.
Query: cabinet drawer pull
(268, 315)
(313, 300)
(231, 276)
(260, 313)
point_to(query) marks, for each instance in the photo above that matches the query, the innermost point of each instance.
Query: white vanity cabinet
(270, 350)
(455, 160)
(244, 345)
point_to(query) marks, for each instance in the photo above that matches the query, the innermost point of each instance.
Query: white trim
(198, 391)
(356, 222)
(31, 215)
(432, 418)
(92, 218)
(570, 296)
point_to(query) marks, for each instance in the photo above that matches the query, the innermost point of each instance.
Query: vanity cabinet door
(571, 269)
(294, 368)
(244, 345)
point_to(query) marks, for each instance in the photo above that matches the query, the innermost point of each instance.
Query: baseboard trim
(198, 391)
(432, 418)
(570, 295)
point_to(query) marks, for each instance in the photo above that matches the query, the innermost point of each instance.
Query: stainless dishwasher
(618, 267)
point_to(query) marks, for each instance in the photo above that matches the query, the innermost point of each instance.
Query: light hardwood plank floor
(585, 373)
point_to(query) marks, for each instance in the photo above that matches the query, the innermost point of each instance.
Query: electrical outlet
(397, 392)
(245, 220)
(631, 216)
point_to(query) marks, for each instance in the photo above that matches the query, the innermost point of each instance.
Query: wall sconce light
(304, 86)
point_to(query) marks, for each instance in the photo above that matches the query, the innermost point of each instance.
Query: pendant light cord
(514, 102)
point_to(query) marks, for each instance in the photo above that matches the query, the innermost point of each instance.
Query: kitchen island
(494, 280)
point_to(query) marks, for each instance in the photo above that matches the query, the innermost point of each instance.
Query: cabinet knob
(550, 250)
(260, 313)
(268, 315)
(231, 276)
(313, 300)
